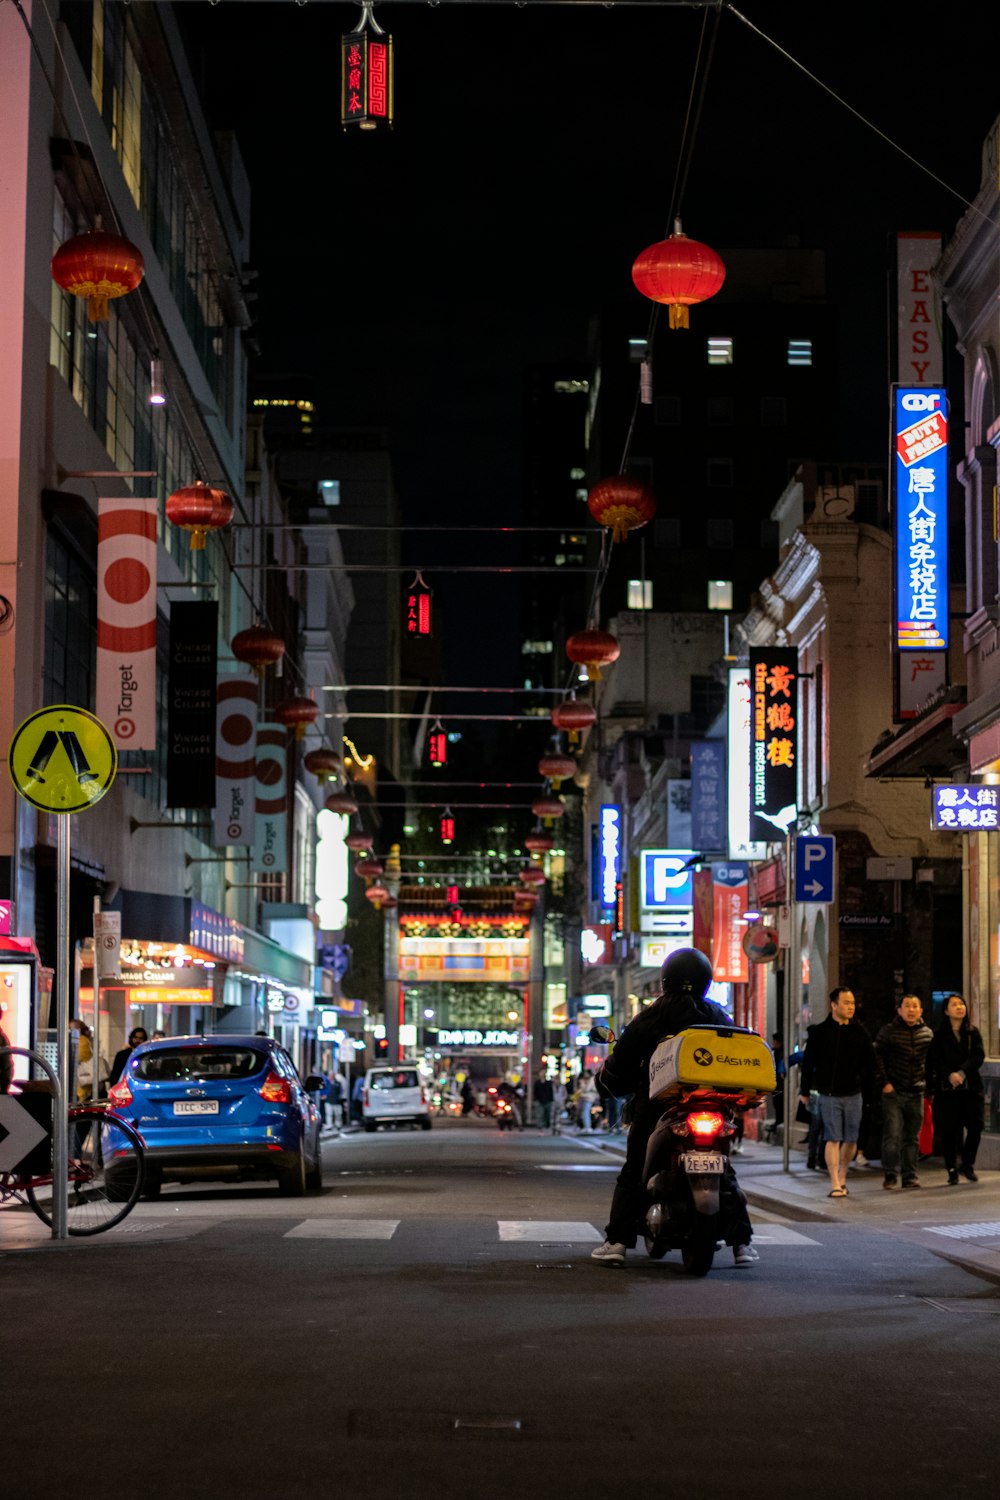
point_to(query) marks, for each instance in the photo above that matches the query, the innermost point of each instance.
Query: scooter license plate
(703, 1162)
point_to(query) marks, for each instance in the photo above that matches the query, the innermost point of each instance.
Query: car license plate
(196, 1107)
(704, 1162)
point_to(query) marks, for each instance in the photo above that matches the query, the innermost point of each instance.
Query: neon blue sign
(609, 854)
(920, 491)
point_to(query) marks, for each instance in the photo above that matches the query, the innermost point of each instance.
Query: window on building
(720, 411)
(800, 351)
(720, 593)
(329, 491)
(708, 697)
(719, 473)
(720, 351)
(769, 535)
(666, 533)
(70, 625)
(773, 411)
(719, 532)
(536, 648)
(640, 593)
(638, 350)
(667, 411)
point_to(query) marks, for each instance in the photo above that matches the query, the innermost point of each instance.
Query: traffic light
(381, 1047)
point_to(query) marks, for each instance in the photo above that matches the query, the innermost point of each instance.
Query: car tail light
(275, 1089)
(704, 1125)
(365, 1101)
(120, 1095)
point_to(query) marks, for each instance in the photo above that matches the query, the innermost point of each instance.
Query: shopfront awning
(928, 746)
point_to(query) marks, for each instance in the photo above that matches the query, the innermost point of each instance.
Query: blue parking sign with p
(814, 867)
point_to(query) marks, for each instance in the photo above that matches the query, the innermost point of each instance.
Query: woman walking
(954, 1059)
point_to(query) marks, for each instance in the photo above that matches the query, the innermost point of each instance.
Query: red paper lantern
(296, 713)
(539, 843)
(532, 875)
(358, 841)
(557, 767)
(98, 266)
(323, 763)
(199, 509)
(368, 869)
(679, 272)
(258, 647)
(622, 504)
(573, 716)
(447, 829)
(548, 808)
(593, 649)
(378, 895)
(341, 802)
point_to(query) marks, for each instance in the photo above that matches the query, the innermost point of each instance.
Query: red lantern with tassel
(378, 895)
(532, 875)
(622, 504)
(323, 764)
(573, 716)
(199, 509)
(297, 713)
(368, 869)
(548, 808)
(539, 843)
(100, 267)
(341, 802)
(679, 272)
(358, 841)
(593, 649)
(556, 767)
(258, 648)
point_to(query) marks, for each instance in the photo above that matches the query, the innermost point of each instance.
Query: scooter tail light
(704, 1124)
(276, 1090)
(120, 1095)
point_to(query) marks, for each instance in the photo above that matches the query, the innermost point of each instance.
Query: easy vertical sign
(920, 509)
(774, 740)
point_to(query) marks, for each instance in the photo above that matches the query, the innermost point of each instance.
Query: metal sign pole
(60, 1152)
(786, 1024)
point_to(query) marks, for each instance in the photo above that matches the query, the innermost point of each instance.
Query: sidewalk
(959, 1224)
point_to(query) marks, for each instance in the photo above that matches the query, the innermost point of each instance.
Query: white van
(395, 1096)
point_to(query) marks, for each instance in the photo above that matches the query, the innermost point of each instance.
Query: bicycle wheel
(106, 1171)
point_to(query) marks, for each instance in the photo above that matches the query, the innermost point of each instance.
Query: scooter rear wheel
(655, 1249)
(698, 1252)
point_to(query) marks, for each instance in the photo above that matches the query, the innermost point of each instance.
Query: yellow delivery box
(712, 1057)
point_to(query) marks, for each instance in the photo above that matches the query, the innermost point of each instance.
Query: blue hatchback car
(222, 1107)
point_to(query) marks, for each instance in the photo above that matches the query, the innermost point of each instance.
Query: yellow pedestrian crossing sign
(62, 759)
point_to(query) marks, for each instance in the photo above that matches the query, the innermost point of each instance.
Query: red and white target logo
(124, 729)
(126, 619)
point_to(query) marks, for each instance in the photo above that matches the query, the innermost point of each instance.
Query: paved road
(431, 1325)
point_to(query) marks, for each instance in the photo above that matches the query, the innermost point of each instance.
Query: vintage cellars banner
(191, 680)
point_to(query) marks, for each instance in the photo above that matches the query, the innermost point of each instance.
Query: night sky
(416, 274)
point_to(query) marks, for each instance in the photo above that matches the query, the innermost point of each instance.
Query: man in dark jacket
(685, 977)
(839, 1063)
(901, 1048)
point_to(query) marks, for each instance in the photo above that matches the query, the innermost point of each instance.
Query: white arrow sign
(23, 1133)
(813, 889)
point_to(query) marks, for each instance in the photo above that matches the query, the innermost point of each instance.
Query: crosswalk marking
(546, 1229)
(984, 1230)
(577, 1167)
(777, 1234)
(343, 1229)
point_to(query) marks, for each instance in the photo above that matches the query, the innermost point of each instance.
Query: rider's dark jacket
(626, 1070)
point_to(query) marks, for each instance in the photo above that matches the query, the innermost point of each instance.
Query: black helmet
(686, 970)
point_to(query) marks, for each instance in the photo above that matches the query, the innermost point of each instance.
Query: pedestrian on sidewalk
(901, 1048)
(544, 1095)
(839, 1063)
(586, 1099)
(954, 1059)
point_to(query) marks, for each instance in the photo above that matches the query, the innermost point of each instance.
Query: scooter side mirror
(601, 1034)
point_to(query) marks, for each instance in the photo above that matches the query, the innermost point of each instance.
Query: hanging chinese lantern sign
(592, 649)
(126, 621)
(417, 613)
(447, 828)
(199, 509)
(99, 267)
(296, 714)
(573, 716)
(366, 75)
(774, 741)
(437, 747)
(622, 504)
(679, 272)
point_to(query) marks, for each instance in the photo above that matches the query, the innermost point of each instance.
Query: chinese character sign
(774, 741)
(966, 809)
(708, 795)
(366, 80)
(730, 889)
(417, 618)
(920, 499)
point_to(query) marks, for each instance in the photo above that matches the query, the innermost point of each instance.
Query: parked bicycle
(105, 1173)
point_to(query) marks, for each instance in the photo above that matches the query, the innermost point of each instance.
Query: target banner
(235, 761)
(126, 621)
(271, 842)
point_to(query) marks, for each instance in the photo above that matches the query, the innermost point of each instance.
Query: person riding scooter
(685, 978)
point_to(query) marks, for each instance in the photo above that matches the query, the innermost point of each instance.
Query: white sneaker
(745, 1255)
(737, 1148)
(611, 1255)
